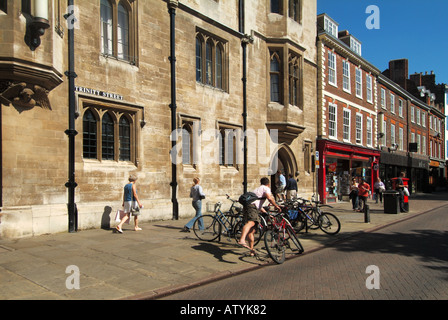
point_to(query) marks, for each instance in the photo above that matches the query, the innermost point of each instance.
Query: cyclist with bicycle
(250, 213)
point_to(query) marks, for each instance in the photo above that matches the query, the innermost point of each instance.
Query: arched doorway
(284, 161)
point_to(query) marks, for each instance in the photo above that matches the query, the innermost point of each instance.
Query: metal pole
(244, 42)
(172, 5)
(71, 132)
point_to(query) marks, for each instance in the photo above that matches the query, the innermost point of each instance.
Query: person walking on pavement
(131, 204)
(197, 194)
(379, 188)
(280, 186)
(250, 214)
(291, 187)
(400, 188)
(354, 194)
(363, 194)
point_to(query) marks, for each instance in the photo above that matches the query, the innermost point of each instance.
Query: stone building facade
(124, 98)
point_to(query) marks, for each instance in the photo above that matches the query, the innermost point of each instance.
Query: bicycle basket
(293, 214)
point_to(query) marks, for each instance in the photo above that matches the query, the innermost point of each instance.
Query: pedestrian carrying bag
(120, 214)
(406, 191)
(247, 198)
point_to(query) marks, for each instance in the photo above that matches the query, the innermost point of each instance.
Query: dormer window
(331, 27)
(355, 45)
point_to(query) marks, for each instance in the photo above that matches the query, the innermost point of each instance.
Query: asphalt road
(404, 261)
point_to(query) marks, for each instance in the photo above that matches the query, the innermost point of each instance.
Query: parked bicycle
(303, 214)
(210, 227)
(279, 236)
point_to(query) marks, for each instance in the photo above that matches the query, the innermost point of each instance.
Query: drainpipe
(172, 5)
(244, 42)
(71, 132)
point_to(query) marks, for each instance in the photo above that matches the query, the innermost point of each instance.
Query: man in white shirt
(250, 213)
(281, 185)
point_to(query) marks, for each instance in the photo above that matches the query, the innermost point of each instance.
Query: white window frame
(412, 114)
(423, 145)
(358, 124)
(346, 85)
(346, 124)
(400, 138)
(383, 98)
(331, 27)
(369, 88)
(358, 79)
(385, 133)
(418, 117)
(424, 119)
(392, 103)
(400, 107)
(392, 134)
(369, 131)
(332, 70)
(332, 124)
(419, 141)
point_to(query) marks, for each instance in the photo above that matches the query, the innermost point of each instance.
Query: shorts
(280, 189)
(250, 213)
(132, 207)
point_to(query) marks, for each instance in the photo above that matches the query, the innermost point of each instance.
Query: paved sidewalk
(155, 261)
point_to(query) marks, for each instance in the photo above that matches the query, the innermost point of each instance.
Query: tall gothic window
(117, 32)
(275, 77)
(125, 139)
(210, 61)
(106, 28)
(123, 32)
(89, 135)
(109, 132)
(294, 78)
(198, 60)
(108, 138)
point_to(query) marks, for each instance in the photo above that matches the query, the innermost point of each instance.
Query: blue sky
(411, 29)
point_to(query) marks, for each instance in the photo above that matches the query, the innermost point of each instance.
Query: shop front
(339, 163)
(415, 166)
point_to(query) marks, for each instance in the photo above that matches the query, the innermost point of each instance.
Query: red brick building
(347, 112)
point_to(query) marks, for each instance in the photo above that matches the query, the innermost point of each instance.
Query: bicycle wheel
(313, 224)
(293, 238)
(207, 228)
(274, 246)
(329, 223)
(239, 228)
